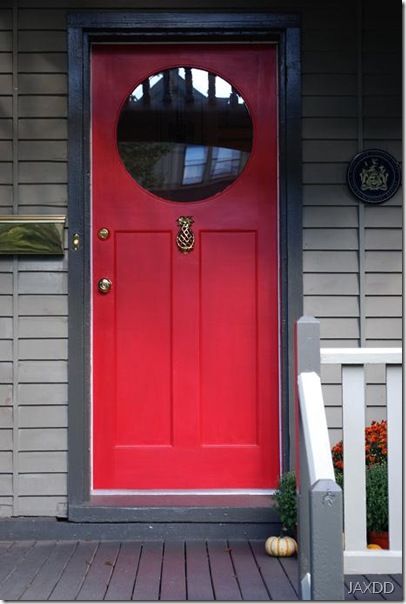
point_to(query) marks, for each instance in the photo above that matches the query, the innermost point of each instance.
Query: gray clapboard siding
(328, 284)
(378, 261)
(53, 83)
(383, 239)
(43, 349)
(384, 328)
(373, 105)
(339, 328)
(42, 129)
(43, 439)
(42, 62)
(6, 173)
(43, 327)
(395, 148)
(42, 506)
(6, 484)
(6, 107)
(6, 198)
(43, 150)
(6, 83)
(42, 283)
(328, 151)
(330, 106)
(6, 41)
(334, 262)
(382, 85)
(330, 239)
(329, 343)
(383, 217)
(6, 350)
(40, 305)
(326, 128)
(383, 284)
(43, 417)
(42, 41)
(6, 417)
(383, 306)
(6, 306)
(387, 343)
(5, 394)
(317, 62)
(5, 62)
(6, 372)
(41, 394)
(42, 371)
(334, 416)
(53, 195)
(328, 39)
(331, 306)
(6, 440)
(42, 461)
(6, 149)
(42, 106)
(41, 172)
(6, 19)
(42, 484)
(338, 84)
(331, 173)
(6, 129)
(327, 195)
(42, 19)
(6, 462)
(375, 374)
(6, 506)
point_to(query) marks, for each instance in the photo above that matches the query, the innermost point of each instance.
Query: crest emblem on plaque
(373, 176)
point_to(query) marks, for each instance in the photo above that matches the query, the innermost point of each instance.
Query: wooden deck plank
(48, 575)
(27, 568)
(97, 579)
(225, 585)
(273, 574)
(123, 578)
(148, 580)
(249, 578)
(10, 558)
(199, 586)
(291, 568)
(388, 585)
(173, 581)
(75, 571)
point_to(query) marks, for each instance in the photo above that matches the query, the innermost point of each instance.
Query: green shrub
(286, 501)
(377, 497)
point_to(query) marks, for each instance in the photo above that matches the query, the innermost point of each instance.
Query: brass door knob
(104, 285)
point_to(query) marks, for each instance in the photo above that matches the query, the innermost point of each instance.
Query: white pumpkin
(280, 546)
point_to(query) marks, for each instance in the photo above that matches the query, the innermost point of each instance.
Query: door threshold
(201, 508)
(178, 492)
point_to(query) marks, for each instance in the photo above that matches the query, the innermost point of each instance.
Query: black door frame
(85, 28)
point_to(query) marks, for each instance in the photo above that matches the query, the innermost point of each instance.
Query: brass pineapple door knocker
(185, 239)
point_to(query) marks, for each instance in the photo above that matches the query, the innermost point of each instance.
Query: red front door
(185, 345)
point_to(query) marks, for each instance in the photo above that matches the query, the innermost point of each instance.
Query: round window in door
(184, 134)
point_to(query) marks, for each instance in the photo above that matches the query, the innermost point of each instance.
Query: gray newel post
(320, 514)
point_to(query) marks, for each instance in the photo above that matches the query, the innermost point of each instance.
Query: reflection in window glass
(184, 134)
(195, 162)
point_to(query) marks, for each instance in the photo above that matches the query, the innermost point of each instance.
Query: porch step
(157, 517)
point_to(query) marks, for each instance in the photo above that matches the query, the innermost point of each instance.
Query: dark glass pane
(184, 134)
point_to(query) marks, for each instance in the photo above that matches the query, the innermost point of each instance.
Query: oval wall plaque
(373, 176)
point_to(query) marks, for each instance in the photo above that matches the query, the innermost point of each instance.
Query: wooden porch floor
(154, 570)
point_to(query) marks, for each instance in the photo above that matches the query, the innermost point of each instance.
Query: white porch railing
(357, 558)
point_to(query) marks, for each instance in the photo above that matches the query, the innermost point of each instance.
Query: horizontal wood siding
(354, 291)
